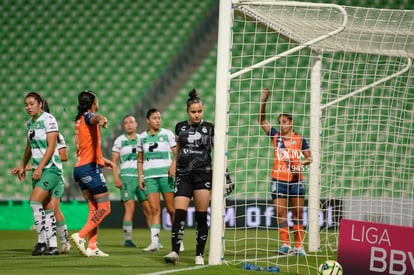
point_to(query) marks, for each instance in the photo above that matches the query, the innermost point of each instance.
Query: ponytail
(85, 101)
(193, 98)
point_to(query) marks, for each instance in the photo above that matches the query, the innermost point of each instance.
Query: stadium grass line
(16, 258)
(177, 270)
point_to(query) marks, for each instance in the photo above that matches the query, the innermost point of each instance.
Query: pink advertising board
(375, 248)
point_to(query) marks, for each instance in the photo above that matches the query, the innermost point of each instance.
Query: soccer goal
(346, 76)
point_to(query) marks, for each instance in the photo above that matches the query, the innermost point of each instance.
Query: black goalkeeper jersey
(195, 143)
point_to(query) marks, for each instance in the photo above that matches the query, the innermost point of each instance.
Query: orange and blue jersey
(287, 154)
(88, 141)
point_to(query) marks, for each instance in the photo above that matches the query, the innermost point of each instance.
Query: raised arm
(262, 111)
(99, 119)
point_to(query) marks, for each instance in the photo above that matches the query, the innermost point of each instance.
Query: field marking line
(177, 270)
(203, 266)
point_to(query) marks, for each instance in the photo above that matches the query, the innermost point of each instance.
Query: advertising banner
(375, 248)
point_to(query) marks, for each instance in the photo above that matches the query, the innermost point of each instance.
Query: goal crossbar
(264, 18)
(376, 83)
(366, 30)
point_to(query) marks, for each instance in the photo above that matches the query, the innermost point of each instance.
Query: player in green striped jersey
(42, 133)
(125, 151)
(156, 171)
(61, 226)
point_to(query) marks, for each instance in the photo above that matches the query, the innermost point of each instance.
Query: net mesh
(366, 169)
(366, 30)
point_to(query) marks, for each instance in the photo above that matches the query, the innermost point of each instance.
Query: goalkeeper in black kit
(195, 139)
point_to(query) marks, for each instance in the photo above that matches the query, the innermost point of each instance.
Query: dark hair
(37, 96)
(85, 101)
(151, 111)
(45, 105)
(40, 99)
(289, 116)
(193, 98)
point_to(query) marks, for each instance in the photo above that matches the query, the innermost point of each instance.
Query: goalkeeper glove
(229, 184)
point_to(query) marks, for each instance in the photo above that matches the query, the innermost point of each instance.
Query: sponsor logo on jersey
(52, 125)
(152, 146)
(32, 134)
(193, 137)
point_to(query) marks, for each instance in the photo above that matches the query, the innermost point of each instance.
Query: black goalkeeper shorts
(185, 184)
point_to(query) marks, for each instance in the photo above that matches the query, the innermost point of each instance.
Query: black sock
(177, 230)
(201, 233)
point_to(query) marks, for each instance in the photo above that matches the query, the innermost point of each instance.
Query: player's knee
(155, 211)
(148, 212)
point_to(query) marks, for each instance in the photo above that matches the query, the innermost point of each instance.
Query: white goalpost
(346, 76)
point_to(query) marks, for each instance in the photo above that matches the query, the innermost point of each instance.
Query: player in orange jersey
(291, 155)
(87, 171)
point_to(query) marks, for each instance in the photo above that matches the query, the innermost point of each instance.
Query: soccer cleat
(284, 250)
(181, 246)
(129, 243)
(171, 258)
(52, 251)
(199, 260)
(39, 249)
(65, 248)
(96, 253)
(300, 251)
(151, 248)
(79, 243)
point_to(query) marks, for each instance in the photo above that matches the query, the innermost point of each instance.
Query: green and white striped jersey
(37, 136)
(128, 154)
(157, 153)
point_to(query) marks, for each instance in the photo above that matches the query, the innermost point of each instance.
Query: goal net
(346, 76)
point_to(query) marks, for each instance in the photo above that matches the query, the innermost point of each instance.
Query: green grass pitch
(16, 248)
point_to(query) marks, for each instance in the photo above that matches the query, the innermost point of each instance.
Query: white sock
(62, 230)
(50, 228)
(127, 227)
(155, 233)
(39, 220)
